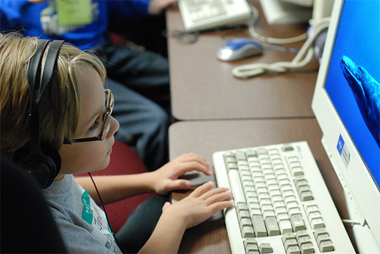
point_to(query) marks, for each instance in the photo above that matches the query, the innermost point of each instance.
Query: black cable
(104, 209)
(100, 198)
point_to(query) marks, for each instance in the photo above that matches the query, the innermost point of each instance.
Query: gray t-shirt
(82, 223)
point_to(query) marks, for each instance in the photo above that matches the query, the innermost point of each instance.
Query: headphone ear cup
(54, 156)
(44, 166)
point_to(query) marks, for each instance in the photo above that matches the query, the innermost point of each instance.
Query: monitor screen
(346, 104)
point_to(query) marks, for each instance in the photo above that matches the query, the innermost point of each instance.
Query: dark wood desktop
(203, 87)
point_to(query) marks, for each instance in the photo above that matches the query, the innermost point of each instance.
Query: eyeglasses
(105, 119)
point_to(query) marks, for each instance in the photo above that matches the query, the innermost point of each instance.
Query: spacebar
(236, 189)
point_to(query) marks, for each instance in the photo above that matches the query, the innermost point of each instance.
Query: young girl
(76, 120)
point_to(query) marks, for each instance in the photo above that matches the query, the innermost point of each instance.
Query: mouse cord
(302, 58)
(255, 20)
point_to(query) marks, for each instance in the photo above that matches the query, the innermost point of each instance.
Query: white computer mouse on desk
(239, 48)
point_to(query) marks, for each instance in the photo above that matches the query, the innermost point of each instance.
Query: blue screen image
(356, 57)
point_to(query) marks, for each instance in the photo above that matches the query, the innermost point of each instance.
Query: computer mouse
(239, 48)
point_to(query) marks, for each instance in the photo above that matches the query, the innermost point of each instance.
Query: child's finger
(203, 189)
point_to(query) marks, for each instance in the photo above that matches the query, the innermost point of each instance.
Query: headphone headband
(41, 160)
(37, 84)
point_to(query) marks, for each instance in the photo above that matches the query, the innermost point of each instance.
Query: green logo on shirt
(87, 213)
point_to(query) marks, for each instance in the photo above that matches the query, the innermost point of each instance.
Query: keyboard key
(322, 238)
(307, 248)
(289, 199)
(296, 171)
(261, 151)
(241, 206)
(300, 181)
(291, 205)
(243, 214)
(259, 226)
(269, 214)
(287, 148)
(326, 246)
(290, 243)
(248, 251)
(255, 212)
(252, 242)
(232, 166)
(251, 153)
(292, 158)
(279, 205)
(297, 223)
(245, 222)
(317, 223)
(285, 226)
(247, 231)
(282, 216)
(293, 250)
(310, 208)
(272, 227)
(306, 196)
(314, 215)
(265, 248)
(294, 211)
(319, 231)
(302, 233)
(287, 236)
(240, 156)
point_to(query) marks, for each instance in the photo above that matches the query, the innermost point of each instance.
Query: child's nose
(114, 126)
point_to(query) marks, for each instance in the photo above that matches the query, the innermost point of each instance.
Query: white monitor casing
(362, 193)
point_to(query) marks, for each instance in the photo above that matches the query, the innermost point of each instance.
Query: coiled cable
(302, 58)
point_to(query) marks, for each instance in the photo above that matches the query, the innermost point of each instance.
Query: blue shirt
(21, 14)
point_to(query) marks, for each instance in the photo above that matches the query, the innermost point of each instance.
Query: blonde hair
(60, 102)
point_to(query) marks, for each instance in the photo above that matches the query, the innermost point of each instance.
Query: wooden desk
(206, 137)
(203, 87)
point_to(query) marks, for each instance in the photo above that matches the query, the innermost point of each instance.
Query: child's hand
(203, 202)
(165, 179)
(199, 205)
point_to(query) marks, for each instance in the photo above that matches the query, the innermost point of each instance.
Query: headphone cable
(109, 225)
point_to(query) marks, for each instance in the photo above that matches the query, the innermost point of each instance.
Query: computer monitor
(296, 11)
(346, 104)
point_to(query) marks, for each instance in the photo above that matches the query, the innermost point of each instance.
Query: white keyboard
(200, 15)
(281, 202)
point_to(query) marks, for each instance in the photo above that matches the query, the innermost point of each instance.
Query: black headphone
(39, 159)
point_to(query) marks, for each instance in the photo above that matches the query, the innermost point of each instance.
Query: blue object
(239, 48)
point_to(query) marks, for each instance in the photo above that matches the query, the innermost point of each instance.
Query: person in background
(76, 122)
(138, 78)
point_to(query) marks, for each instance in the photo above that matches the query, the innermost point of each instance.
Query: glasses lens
(109, 108)
(107, 125)
(111, 102)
